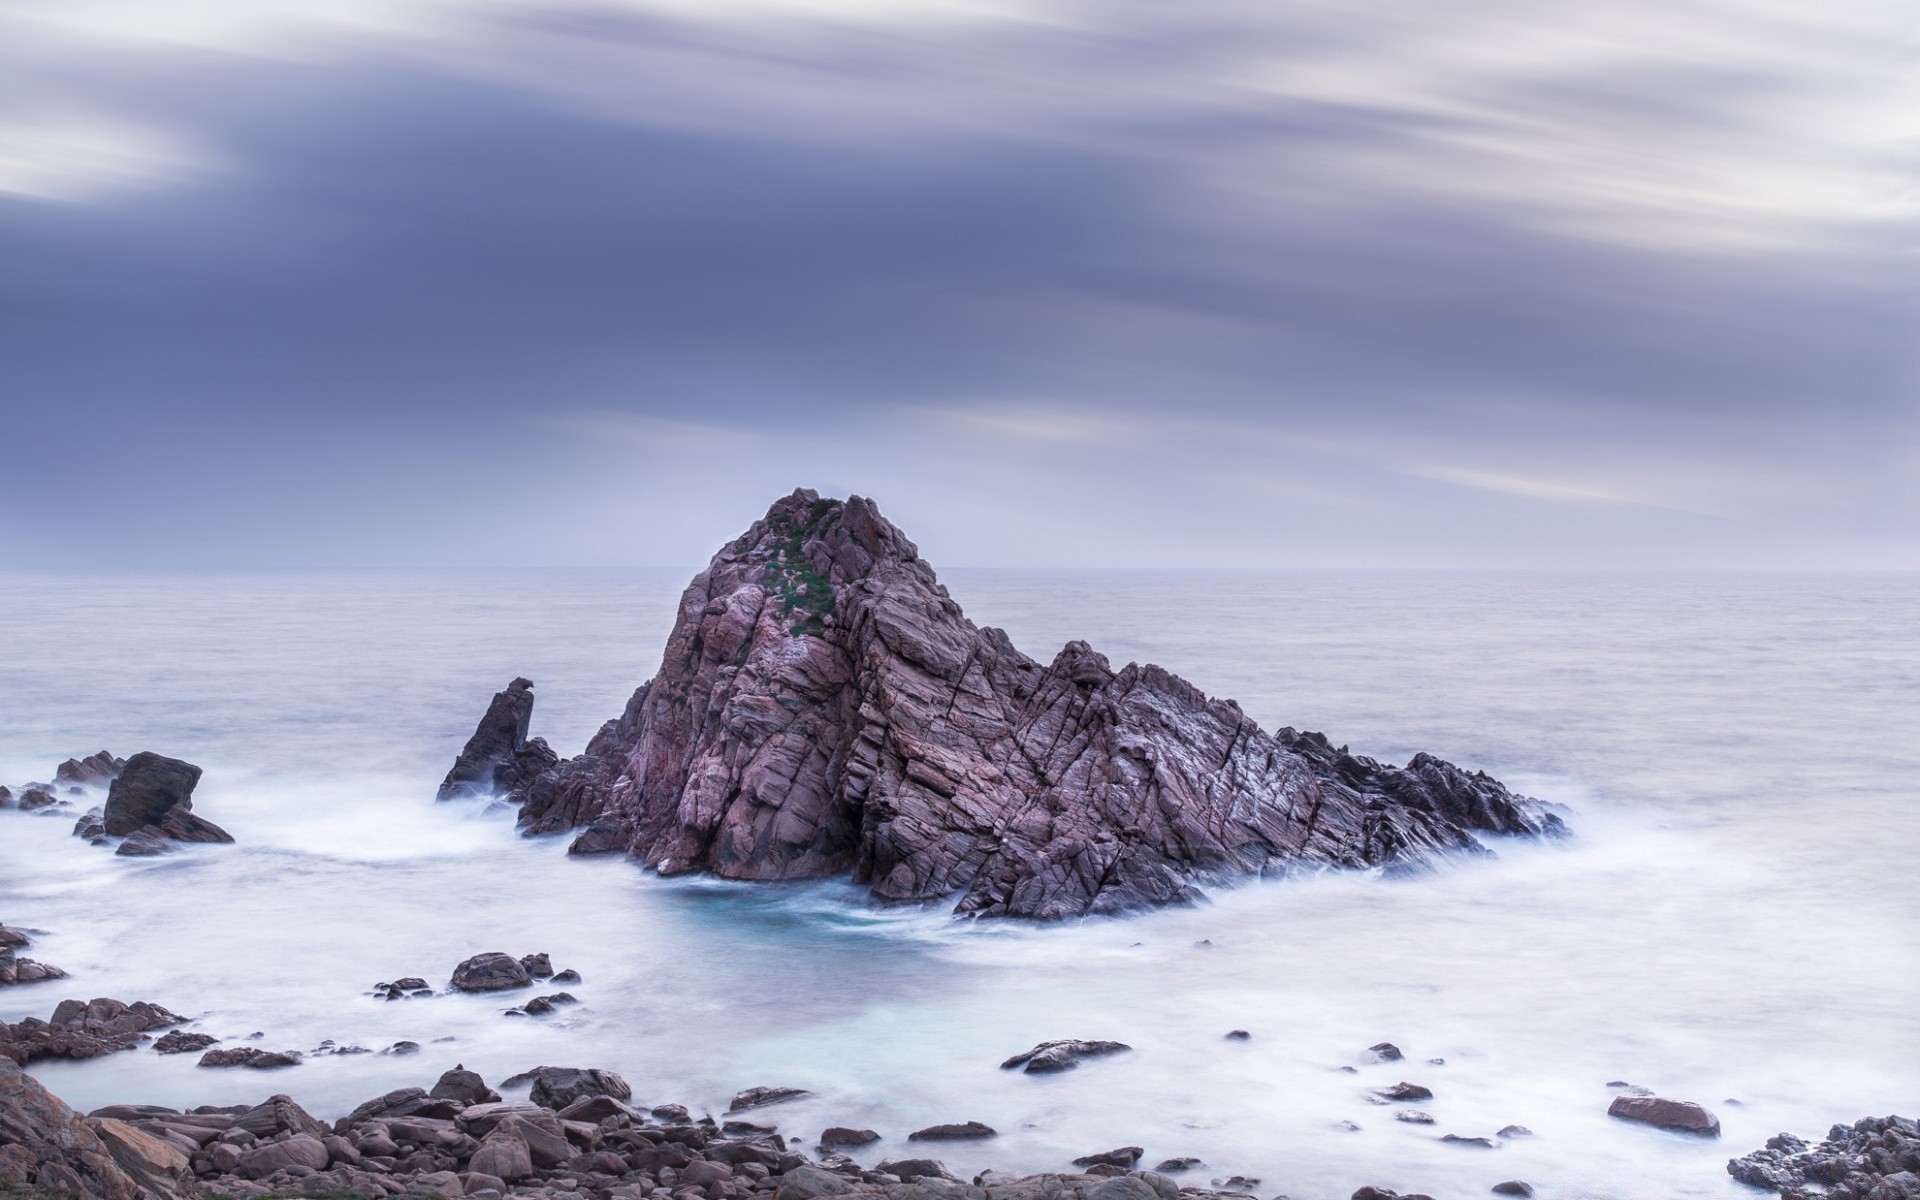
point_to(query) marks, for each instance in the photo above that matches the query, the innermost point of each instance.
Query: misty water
(1735, 918)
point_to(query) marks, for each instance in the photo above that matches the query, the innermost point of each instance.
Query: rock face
(499, 757)
(824, 707)
(1875, 1158)
(48, 1149)
(153, 797)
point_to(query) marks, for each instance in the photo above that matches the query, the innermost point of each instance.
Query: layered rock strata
(825, 708)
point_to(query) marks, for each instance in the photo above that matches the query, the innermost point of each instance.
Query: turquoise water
(1735, 919)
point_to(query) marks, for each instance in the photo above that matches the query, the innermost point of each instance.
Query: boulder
(145, 842)
(1681, 1116)
(83, 1030)
(46, 1148)
(154, 795)
(1384, 1052)
(908, 1170)
(250, 1056)
(537, 966)
(465, 1086)
(33, 798)
(92, 825)
(557, 1087)
(1049, 1057)
(15, 970)
(811, 1183)
(179, 1041)
(1174, 1166)
(1125, 1157)
(154, 1163)
(1875, 1157)
(493, 971)
(302, 1149)
(503, 1154)
(276, 1115)
(1513, 1187)
(962, 1132)
(499, 757)
(841, 1135)
(1405, 1091)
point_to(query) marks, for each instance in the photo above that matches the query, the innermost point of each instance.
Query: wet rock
(15, 970)
(1384, 1052)
(33, 799)
(1414, 1116)
(595, 1109)
(539, 1006)
(907, 1170)
(153, 796)
(48, 1149)
(402, 1047)
(463, 1085)
(92, 825)
(825, 708)
(1475, 1143)
(146, 842)
(1405, 1091)
(83, 1030)
(1124, 1157)
(179, 1041)
(567, 976)
(1049, 1057)
(1513, 1187)
(759, 1097)
(811, 1183)
(537, 966)
(1681, 1116)
(250, 1056)
(493, 971)
(95, 770)
(841, 1135)
(1875, 1158)
(14, 939)
(671, 1114)
(1239, 1035)
(1514, 1131)
(962, 1132)
(557, 1087)
(499, 757)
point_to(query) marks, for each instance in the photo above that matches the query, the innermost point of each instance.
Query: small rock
(1384, 1052)
(1514, 1131)
(1405, 1091)
(567, 976)
(1513, 1187)
(1477, 1143)
(1124, 1158)
(1239, 1035)
(909, 1169)
(402, 1048)
(841, 1135)
(493, 971)
(250, 1056)
(1174, 1166)
(1050, 1057)
(759, 1097)
(178, 1041)
(1414, 1116)
(965, 1131)
(537, 966)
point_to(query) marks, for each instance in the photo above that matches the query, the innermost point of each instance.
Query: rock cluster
(83, 1029)
(1875, 1158)
(151, 802)
(15, 969)
(824, 707)
(74, 777)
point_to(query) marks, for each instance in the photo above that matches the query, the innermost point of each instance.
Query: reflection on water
(1734, 919)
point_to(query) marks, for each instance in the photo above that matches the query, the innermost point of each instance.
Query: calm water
(1737, 919)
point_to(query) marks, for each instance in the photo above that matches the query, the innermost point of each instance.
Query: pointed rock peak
(841, 540)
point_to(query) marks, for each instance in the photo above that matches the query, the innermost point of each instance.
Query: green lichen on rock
(799, 590)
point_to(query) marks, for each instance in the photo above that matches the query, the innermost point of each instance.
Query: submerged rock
(759, 1097)
(15, 970)
(493, 971)
(1682, 1116)
(179, 1041)
(825, 708)
(1050, 1057)
(250, 1056)
(965, 1131)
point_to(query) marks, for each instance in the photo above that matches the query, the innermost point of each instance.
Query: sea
(1735, 919)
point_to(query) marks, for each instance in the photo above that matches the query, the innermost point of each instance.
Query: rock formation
(47, 1149)
(151, 802)
(80, 1029)
(1875, 1158)
(17, 970)
(824, 707)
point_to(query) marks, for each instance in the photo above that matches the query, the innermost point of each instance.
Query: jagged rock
(179, 1041)
(1049, 1057)
(152, 798)
(250, 1056)
(92, 825)
(15, 970)
(574, 794)
(537, 966)
(13, 939)
(48, 1149)
(824, 707)
(1405, 1091)
(83, 1030)
(1875, 1158)
(966, 1131)
(499, 757)
(95, 770)
(557, 1087)
(155, 1163)
(493, 971)
(1682, 1116)
(757, 1097)
(1124, 1158)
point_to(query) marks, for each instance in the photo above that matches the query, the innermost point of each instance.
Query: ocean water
(1736, 920)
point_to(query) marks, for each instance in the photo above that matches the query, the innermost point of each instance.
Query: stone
(250, 1056)
(47, 1148)
(1174, 1166)
(841, 1135)
(825, 708)
(1050, 1057)
(145, 842)
(964, 1131)
(154, 1163)
(463, 1085)
(276, 1115)
(1125, 1157)
(810, 1183)
(1239, 1035)
(83, 1030)
(1681, 1116)
(907, 1170)
(493, 971)
(95, 770)
(1123, 1187)
(1405, 1091)
(567, 976)
(537, 966)
(539, 1006)
(1475, 1143)
(595, 1109)
(1513, 1187)
(1514, 1131)
(1875, 1158)
(499, 757)
(92, 825)
(760, 1097)
(1384, 1052)
(557, 1087)
(503, 1154)
(153, 797)
(32, 799)
(1414, 1116)
(302, 1149)
(179, 1041)
(15, 970)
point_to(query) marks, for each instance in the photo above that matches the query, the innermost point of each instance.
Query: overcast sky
(495, 283)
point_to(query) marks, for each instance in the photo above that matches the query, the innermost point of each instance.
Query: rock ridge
(823, 707)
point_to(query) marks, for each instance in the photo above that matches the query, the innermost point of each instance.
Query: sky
(449, 284)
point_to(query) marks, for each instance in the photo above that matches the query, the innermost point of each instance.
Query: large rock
(493, 971)
(95, 770)
(83, 1030)
(154, 1163)
(499, 757)
(1877, 1157)
(16, 970)
(49, 1149)
(300, 1150)
(557, 1087)
(824, 707)
(153, 796)
(1682, 1116)
(1050, 1057)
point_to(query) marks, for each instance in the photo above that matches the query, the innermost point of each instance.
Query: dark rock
(811, 1183)
(909, 1169)
(1514, 1131)
(1875, 1158)
(48, 1149)
(539, 1006)
(557, 1087)
(537, 966)
(499, 757)
(1049, 1057)
(402, 1047)
(595, 1109)
(1476, 1143)
(276, 1115)
(1414, 1116)
(758, 1097)
(1682, 1116)
(250, 1056)
(179, 1041)
(1405, 1091)
(32, 799)
(1124, 1157)
(493, 971)
(1384, 1052)
(966, 1131)
(153, 796)
(840, 1135)
(1513, 1187)
(463, 1085)
(146, 842)
(92, 825)
(1173, 1166)
(825, 708)
(1239, 1035)
(15, 970)
(567, 976)
(13, 939)
(563, 998)
(95, 770)
(83, 1030)
(671, 1114)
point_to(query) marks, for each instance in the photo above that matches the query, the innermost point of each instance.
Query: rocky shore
(824, 708)
(147, 810)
